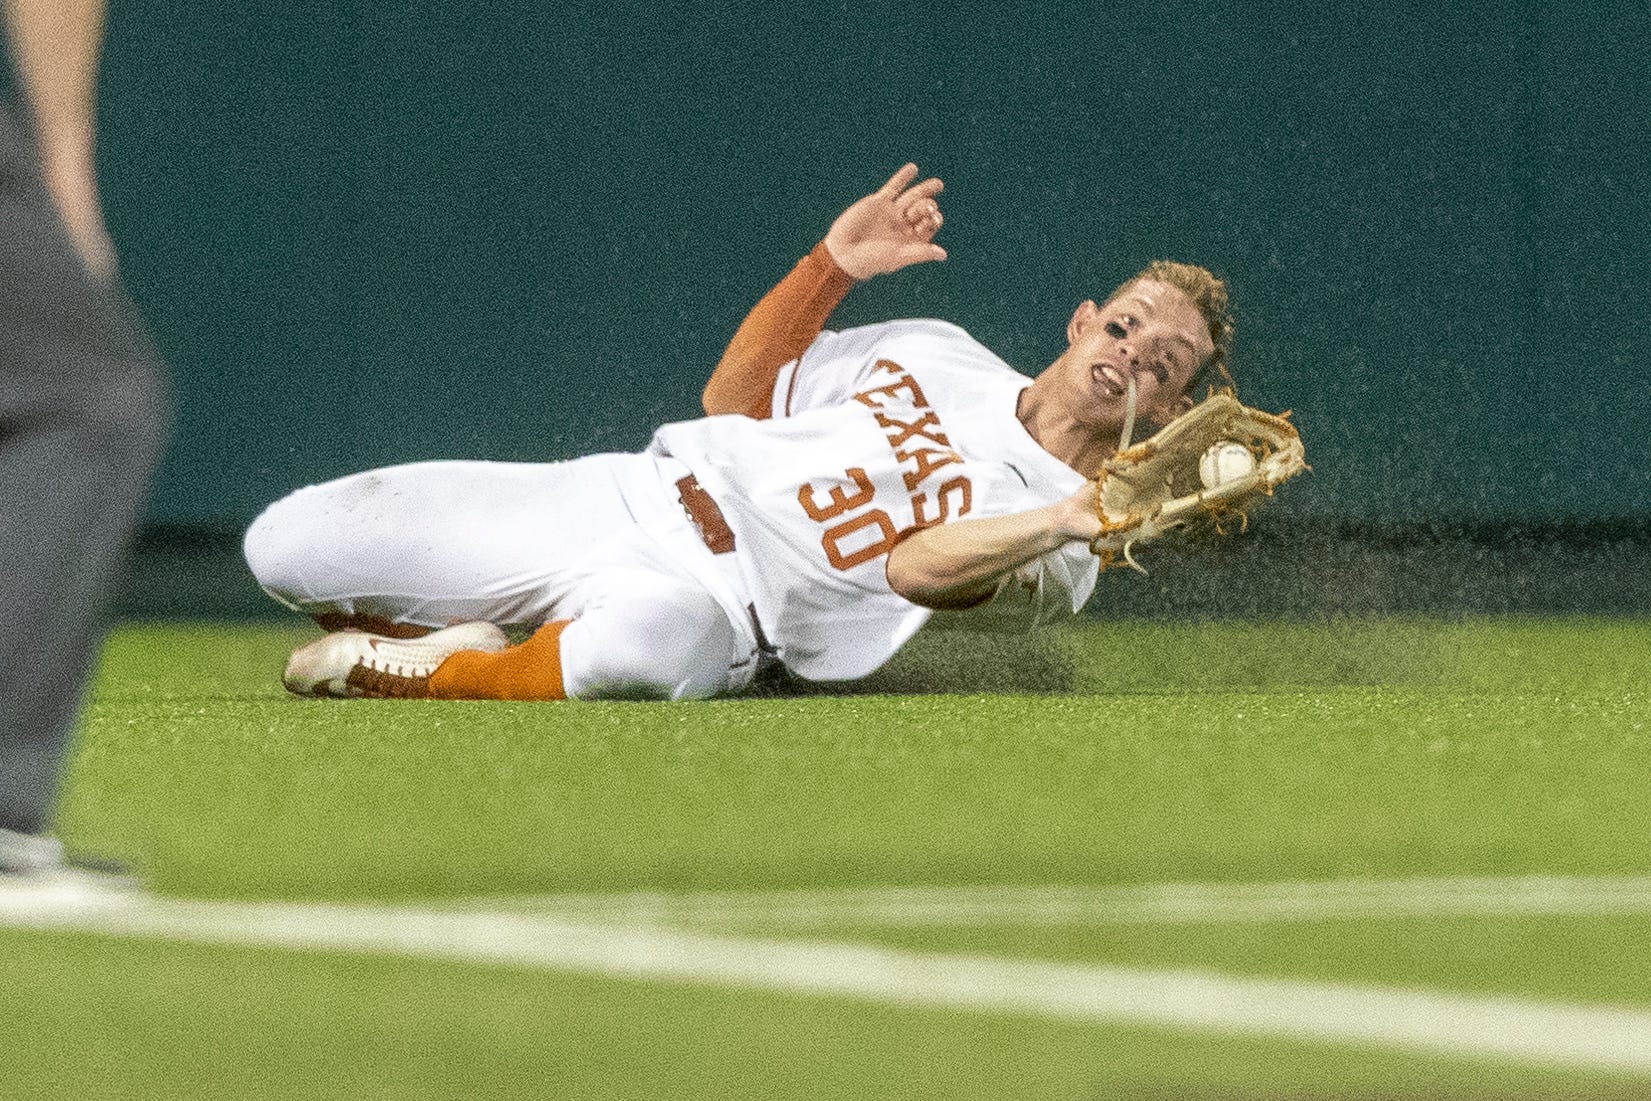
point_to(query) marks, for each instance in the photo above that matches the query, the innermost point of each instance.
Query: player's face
(1153, 332)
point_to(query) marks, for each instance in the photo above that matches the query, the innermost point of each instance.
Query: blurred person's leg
(82, 421)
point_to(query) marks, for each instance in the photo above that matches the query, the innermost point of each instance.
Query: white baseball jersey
(877, 431)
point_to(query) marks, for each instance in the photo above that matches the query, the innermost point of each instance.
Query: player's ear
(1081, 317)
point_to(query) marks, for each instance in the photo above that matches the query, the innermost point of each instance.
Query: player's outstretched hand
(889, 229)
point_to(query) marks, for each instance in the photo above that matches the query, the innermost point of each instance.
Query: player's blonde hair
(1209, 295)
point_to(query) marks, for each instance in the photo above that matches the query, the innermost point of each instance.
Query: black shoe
(35, 860)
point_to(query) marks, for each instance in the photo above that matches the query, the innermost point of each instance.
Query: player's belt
(705, 514)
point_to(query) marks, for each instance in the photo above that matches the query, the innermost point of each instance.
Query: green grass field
(1108, 756)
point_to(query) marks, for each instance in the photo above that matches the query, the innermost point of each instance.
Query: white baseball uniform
(729, 542)
(877, 431)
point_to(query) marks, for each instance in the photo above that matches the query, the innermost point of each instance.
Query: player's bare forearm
(774, 333)
(961, 563)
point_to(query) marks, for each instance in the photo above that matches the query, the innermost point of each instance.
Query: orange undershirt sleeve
(775, 332)
(531, 671)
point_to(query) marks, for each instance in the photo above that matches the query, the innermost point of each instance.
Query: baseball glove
(1154, 487)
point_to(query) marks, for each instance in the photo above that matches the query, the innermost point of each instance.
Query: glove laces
(1123, 445)
(1129, 415)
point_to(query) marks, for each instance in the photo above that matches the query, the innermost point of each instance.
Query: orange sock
(531, 671)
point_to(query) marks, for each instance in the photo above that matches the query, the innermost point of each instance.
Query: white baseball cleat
(353, 664)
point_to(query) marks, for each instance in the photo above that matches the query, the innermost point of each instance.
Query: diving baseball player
(842, 488)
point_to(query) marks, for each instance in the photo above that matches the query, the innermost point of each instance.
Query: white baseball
(1224, 462)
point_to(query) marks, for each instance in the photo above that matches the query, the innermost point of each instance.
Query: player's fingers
(918, 254)
(928, 189)
(897, 182)
(923, 213)
(921, 196)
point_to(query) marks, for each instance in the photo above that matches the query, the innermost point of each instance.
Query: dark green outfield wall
(372, 234)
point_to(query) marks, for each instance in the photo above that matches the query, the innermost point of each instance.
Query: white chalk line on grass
(1582, 1036)
(1158, 904)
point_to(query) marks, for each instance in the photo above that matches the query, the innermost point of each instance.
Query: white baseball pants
(601, 541)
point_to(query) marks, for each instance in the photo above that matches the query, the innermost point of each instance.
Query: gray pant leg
(82, 418)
